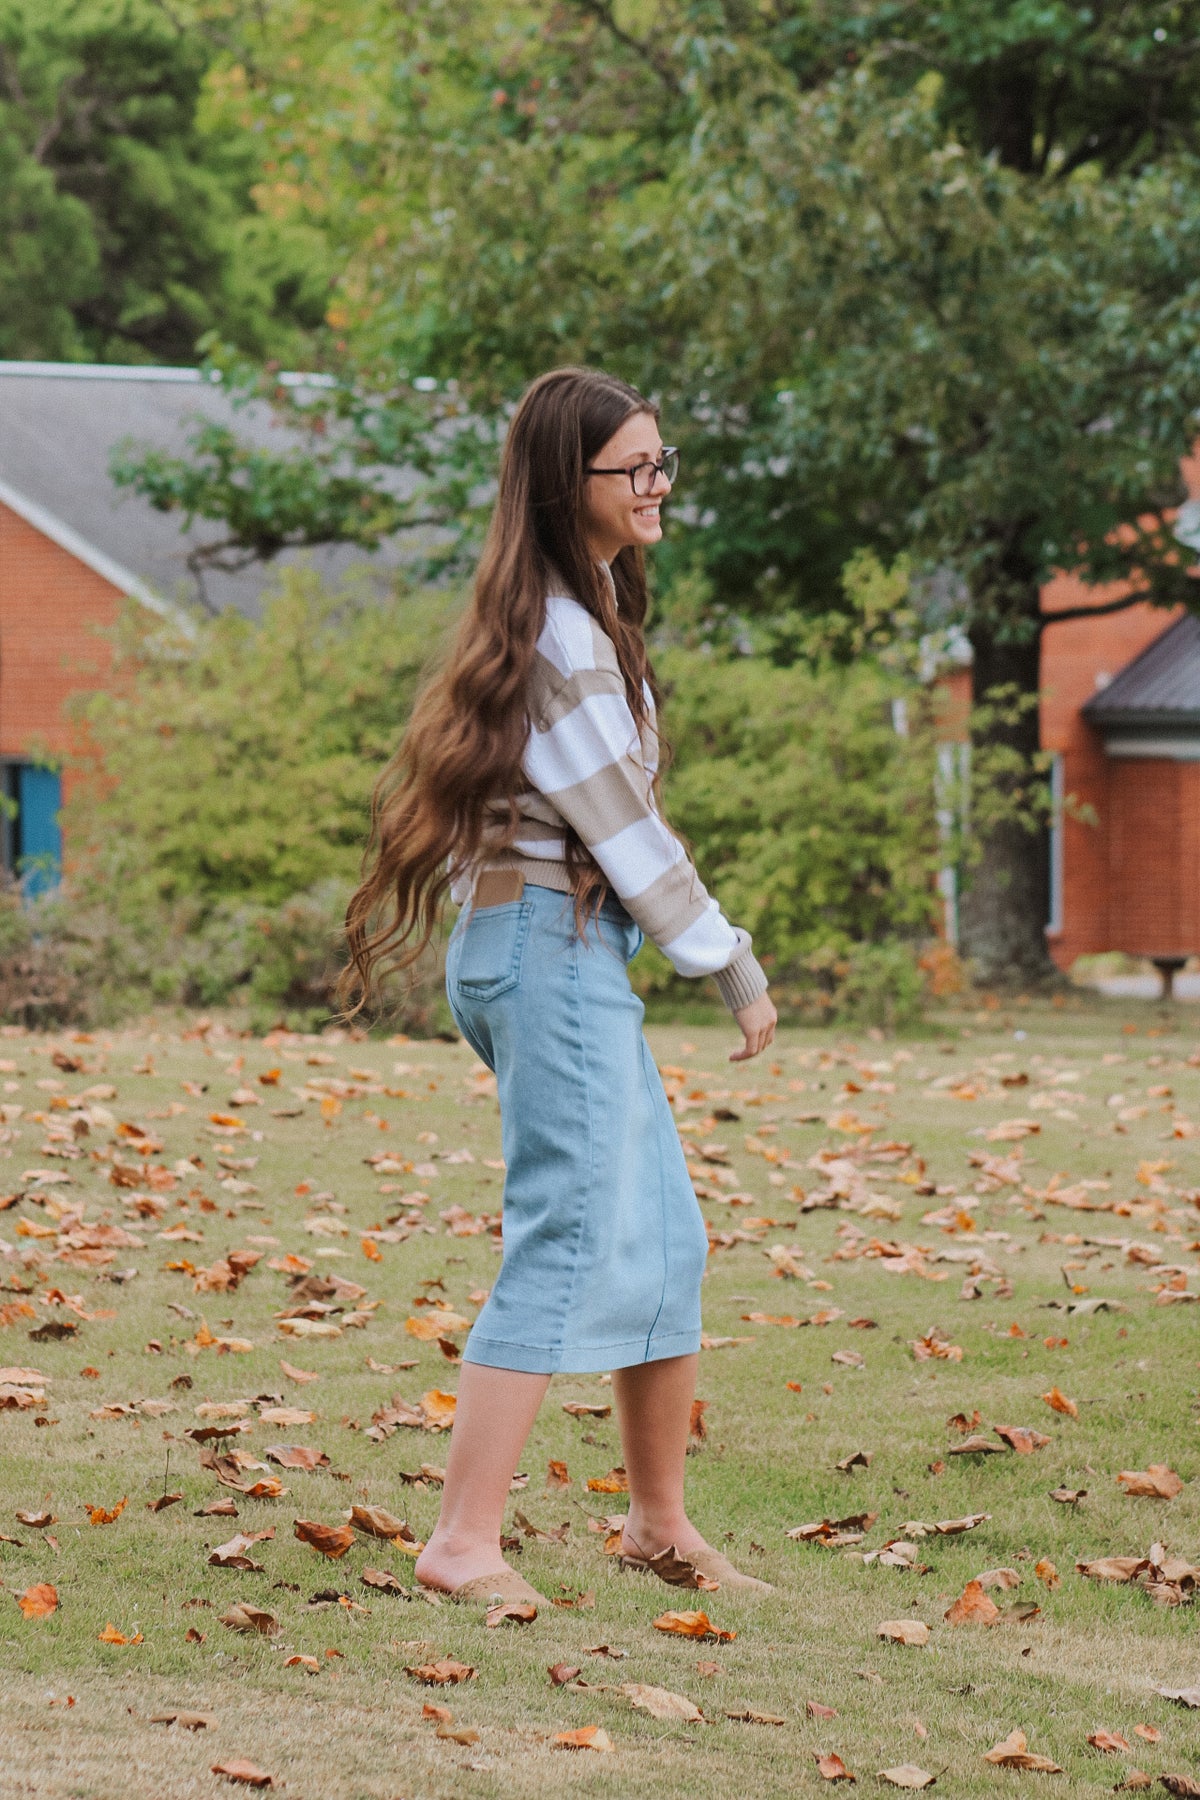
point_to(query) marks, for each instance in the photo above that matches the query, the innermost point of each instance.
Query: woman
(526, 786)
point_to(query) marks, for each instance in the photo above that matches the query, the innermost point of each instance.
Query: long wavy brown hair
(458, 768)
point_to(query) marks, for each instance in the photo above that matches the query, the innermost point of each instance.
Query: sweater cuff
(742, 980)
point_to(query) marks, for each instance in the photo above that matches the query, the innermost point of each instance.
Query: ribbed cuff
(742, 980)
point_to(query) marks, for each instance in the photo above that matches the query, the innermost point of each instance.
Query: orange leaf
(1111, 1742)
(557, 1475)
(1060, 1403)
(1014, 1753)
(331, 1540)
(246, 1772)
(371, 1251)
(973, 1607)
(1047, 1574)
(832, 1768)
(438, 1407)
(445, 1673)
(693, 1625)
(615, 1482)
(99, 1516)
(38, 1602)
(588, 1737)
(110, 1635)
(1158, 1482)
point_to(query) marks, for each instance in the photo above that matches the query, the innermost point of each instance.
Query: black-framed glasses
(643, 475)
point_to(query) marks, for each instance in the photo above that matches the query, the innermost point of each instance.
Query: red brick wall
(1153, 846)
(52, 610)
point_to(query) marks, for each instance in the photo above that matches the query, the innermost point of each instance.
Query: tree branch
(1094, 612)
(602, 12)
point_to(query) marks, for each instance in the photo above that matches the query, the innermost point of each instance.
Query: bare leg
(495, 1413)
(654, 1405)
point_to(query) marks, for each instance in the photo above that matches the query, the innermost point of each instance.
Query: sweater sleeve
(584, 755)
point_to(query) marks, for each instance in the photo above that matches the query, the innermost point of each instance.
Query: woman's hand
(757, 1024)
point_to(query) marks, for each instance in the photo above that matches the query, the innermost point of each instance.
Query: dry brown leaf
(748, 1716)
(1189, 1696)
(39, 1601)
(973, 1607)
(1149, 1733)
(999, 1578)
(37, 1521)
(299, 1376)
(1113, 1568)
(237, 1769)
(561, 1673)
(457, 1734)
(1182, 1785)
(832, 1768)
(1014, 1753)
(587, 1737)
(376, 1521)
(446, 1673)
(1068, 1496)
(1110, 1742)
(661, 1703)
(331, 1540)
(187, 1721)
(1059, 1402)
(579, 1409)
(303, 1662)
(1134, 1782)
(615, 1482)
(904, 1631)
(693, 1625)
(814, 1710)
(296, 1456)
(1022, 1438)
(244, 1617)
(511, 1612)
(907, 1775)
(675, 1570)
(557, 1475)
(1158, 1482)
(1047, 1574)
(976, 1445)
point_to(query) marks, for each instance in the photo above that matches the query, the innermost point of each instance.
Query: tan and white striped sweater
(585, 767)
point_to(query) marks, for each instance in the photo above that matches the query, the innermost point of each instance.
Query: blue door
(39, 839)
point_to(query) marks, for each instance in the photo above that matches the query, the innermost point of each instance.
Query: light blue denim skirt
(604, 1242)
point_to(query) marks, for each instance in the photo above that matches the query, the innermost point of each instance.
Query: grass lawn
(967, 1189)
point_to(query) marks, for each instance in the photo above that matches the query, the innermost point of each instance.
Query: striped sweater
(585, 767)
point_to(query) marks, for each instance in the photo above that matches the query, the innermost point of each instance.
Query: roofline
(149, 372)
(105, 566)
(1139, 720)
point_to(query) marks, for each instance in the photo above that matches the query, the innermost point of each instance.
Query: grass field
(1039, 1161)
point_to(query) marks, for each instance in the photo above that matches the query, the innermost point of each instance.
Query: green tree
(127, 219)
(903, 278)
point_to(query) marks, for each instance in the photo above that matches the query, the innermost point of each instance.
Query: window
(1054, 898)
(30, 838)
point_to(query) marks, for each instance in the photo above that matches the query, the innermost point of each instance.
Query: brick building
(1121, 692)
(74, 549)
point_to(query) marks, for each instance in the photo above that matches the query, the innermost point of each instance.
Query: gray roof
(59, 423)
(1161, 686)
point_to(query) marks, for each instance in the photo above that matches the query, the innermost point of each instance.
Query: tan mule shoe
(703, 1568)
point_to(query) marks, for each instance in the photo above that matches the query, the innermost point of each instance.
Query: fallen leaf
(331, 1540)
(244, 1617)
(1183, 1785)
(383, 1580)
(858, 1459)
(1158, 1482)
(973, 1607)
(187, 1721)
(1150, 1733)
(578, 1409)
(661, 1703)
(458, 1734)
(675, 1570)
(296, 1456)
(615, 1482)
(1021, 1438)
(561, 1673)
(37, 1521)
(1110, 1742)
(907, 1775)
(99, 1516)
(1113, 1568)
(1068, 1496)
(303, 1662)
(511, 1612)
(999, 1578)
(110, 1635)
(1014, 1753)
(904, 1631)
(39, 1601)
(248, 1773)
(692, 1625)
(815, 1710)
(445, 1673)
(748, 1716)
(832, 1768)
(1189, 1696)
(588, 1737)
(976, 1445)
(300, 1376)
(1134, 1782)
(1059, 1402)
(1047, 1574)
(556, 1475)
(376, 1521)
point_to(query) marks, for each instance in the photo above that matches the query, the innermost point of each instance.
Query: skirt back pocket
(490, 948)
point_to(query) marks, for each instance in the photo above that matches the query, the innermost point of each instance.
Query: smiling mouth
(646, 512)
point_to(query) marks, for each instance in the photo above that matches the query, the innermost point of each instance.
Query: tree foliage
(127, 217)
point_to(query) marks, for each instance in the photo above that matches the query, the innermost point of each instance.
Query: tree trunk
(1004, 906)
